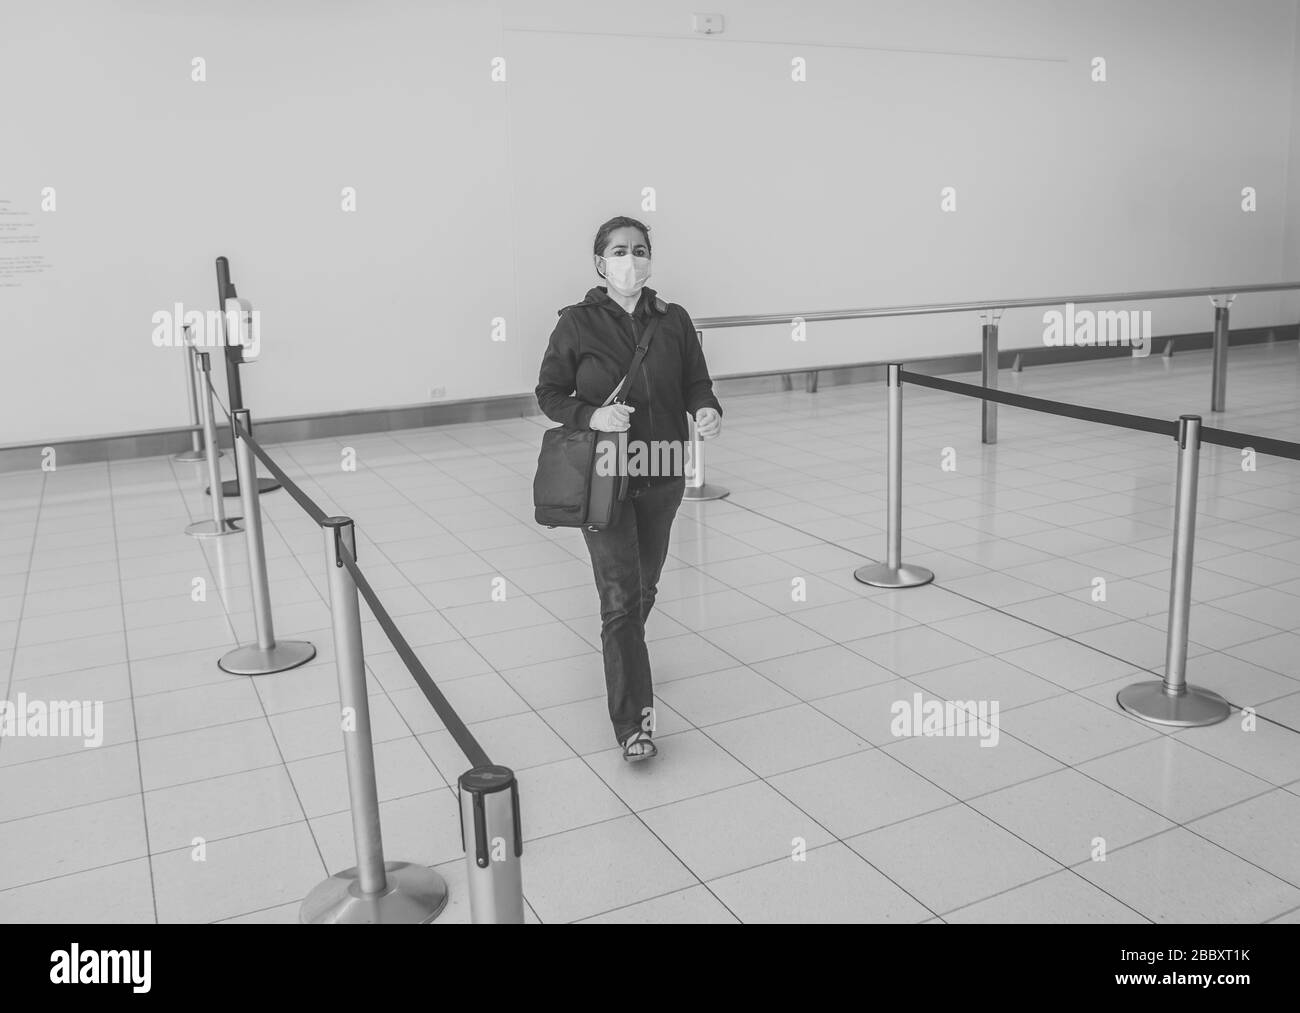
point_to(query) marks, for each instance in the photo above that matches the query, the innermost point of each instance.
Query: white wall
(479, 200)
(156, 176)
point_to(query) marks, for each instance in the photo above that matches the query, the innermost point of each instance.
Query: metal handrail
(989, 330)
(708, 323)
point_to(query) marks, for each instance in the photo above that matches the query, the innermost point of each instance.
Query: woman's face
(621, 242)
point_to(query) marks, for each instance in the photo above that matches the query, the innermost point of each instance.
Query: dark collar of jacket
(599, 296)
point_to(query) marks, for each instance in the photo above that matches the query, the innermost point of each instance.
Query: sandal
(647, 747)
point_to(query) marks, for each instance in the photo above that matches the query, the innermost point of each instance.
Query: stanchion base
(699, 493)
(187, 456)
(882, 575)
(415, 895)
(1150, 702)
(208, 529)
(252, 660)
(230, 487)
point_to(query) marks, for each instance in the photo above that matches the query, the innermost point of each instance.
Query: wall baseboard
(157, 442)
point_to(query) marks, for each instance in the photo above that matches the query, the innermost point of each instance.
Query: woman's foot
(639, 747)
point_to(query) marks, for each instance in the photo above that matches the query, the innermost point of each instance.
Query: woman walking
(589, 353)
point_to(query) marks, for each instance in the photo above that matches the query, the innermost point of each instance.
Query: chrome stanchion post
(1219, 375)
(493, 840)
(195, 453)
(266, 655)
(989, 375)
(220, 523)
(892, 572)
(1172, 701)
(238, 327)
(697, 489)
(373, 891)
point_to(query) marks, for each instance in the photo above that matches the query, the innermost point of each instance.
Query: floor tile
(237, 875)
(600, 868)
(860, 792)
(952, 857)
(1175, 780)
(1064, 898)
(830, 885)
(1070, 817)
(1152, 877)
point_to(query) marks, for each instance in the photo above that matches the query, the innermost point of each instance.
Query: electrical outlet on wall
(437, 392)
(706, 24)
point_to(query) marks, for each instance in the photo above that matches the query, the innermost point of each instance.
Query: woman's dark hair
(611, 226)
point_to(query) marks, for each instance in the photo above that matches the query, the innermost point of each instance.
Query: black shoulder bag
(569, 490)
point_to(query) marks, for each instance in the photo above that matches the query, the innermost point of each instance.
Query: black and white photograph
(600, 462)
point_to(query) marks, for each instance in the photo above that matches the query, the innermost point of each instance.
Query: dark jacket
(590, 351)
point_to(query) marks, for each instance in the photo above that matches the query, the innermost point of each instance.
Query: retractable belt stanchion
(266, 655)
(892, 572)
(1172, 701)
(989, 374)
(1219, 362)
(234, 389)
(220, 523)
(373, 891)
(491, 835)
(697, 489)
(195, 453)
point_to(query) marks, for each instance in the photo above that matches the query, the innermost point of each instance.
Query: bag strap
(642, 347)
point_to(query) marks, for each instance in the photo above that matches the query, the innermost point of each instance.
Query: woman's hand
(614, 418)
(708, 423)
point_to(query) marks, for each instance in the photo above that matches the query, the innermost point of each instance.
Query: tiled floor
(781, 793)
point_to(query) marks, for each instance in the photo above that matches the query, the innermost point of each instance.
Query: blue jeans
(627, 559)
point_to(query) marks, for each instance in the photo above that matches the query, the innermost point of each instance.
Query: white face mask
(626, 274)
